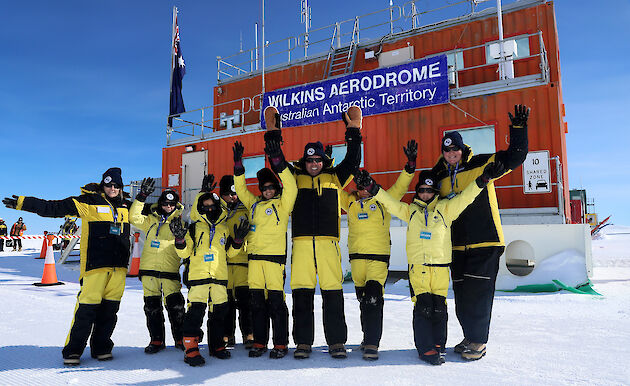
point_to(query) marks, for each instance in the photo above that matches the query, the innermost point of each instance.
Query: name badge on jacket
(208, 257)
(425, 235)
(114, 229)
(363, 216)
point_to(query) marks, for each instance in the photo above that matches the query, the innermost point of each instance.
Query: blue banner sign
(407, 86)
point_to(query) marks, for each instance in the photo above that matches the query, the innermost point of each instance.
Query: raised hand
(411, 151)
(241, 231)
(364, 180)
(272, 118)
(353, 117)
(492, 171)
(208, 184)
(521, 114)
(179, 229)
(146, 188)
(238, 150)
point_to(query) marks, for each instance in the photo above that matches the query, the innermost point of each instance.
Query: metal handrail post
(560, 188)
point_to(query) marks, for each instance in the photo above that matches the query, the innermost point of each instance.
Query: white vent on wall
(391, 58)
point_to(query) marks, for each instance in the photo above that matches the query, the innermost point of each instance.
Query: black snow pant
(216, 326)
(99, 320)
(335, 328)
(474, 273)
(238, 299)
(155, 316)
(371, 307)
(273, 308)
(429, 322)
(193, 319)
(1, 245)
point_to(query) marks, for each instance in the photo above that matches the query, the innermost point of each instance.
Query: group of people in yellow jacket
(235, 249)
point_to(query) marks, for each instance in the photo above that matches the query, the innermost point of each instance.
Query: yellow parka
(429, 225)
(159, 257)
(368, 221)
(206, 248)
(267, 238)
(234, 217)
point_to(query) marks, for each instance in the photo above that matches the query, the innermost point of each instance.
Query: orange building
(481, 95)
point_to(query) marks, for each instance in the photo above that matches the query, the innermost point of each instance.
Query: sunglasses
(451, 148)
(112, 185)
(267, 187)
(313, 160)
(425, 190)
(168, 204)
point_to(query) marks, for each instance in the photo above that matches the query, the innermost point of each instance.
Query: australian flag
(179, 69)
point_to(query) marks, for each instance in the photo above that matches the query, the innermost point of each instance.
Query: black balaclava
(214, 214)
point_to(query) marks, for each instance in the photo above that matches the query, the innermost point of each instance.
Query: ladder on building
(341, 59)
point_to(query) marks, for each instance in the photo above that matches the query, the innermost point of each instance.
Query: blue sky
(85, 87)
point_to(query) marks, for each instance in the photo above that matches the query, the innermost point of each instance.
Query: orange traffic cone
(135, 256)
(50, 273)
(42, 254)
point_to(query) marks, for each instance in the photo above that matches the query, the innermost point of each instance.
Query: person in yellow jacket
(159, 264)
(105, 249)
(238, 288)
(429, 247)
(369, 246)
(477, 234)
(267, 247)
(315, 228)
(206, 244)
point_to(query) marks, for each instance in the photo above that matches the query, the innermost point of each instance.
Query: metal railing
(384, 23)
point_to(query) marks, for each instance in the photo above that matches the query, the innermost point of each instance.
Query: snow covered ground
(553, 338)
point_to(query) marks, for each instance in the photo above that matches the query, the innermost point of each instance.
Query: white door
(194, 167)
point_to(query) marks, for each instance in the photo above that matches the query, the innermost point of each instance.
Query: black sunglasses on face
(267, 187)
(313, 160)
(112, 185)
(425, 190)
(168, 204)
(451, 148)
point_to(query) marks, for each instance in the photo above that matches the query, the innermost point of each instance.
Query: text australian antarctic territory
(411, 85)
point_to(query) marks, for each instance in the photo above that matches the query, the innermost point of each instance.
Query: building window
(339, 152)
(513, 48)
(455, 60)
(480, 139)
(253, 165)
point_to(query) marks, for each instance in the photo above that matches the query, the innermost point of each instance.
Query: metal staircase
(341, 59)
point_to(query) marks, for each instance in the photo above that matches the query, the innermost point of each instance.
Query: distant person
(3, 232)
(369, 248)
(477, 234)
(105, 249)
(159, 265)
(267, 247)
(315, 229)
(238, 287)
(429, 252)
(17, 230)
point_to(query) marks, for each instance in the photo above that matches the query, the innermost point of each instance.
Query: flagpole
(264, 43)
(172, 47)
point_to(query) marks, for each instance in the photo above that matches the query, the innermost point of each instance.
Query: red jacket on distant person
(18, 229)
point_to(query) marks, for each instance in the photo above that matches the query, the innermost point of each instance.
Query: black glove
(364, 179)
(238, 150)
(274, 151)
(208, 184)
(11, 203)
(519, 119)
(411, 151)
(328, 151)
(179, 230)
(492, 170)
(240, 232)
(147, 187)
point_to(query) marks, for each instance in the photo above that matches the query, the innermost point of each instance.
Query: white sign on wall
(536, 172)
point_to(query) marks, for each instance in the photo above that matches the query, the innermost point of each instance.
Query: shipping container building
(483, 88)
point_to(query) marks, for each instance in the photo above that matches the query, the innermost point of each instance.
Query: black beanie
(168, 197)
(226, 186)
(426, 177)
(265, 175)
(315, 148)
(452, 138)
(112, 175)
